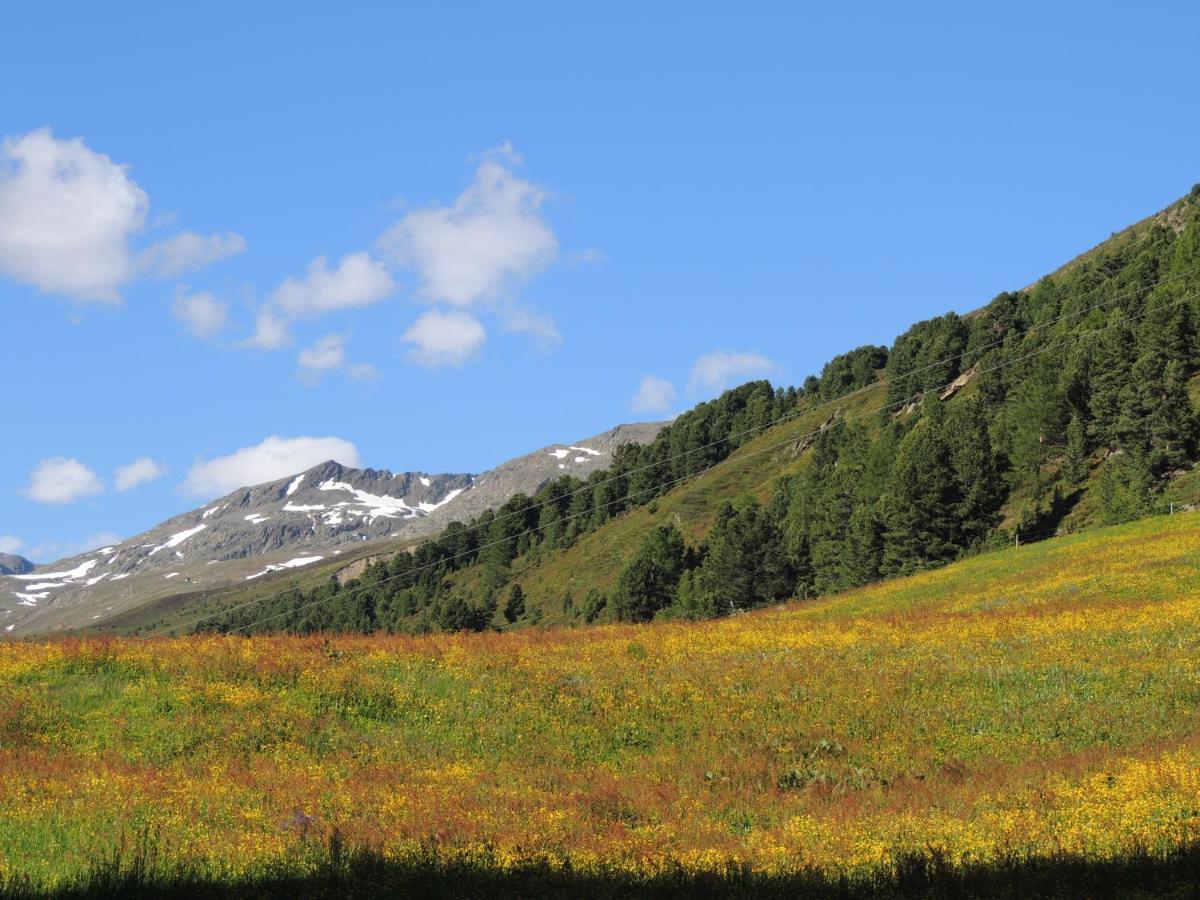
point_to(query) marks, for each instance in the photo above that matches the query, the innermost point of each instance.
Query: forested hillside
(1062, 405)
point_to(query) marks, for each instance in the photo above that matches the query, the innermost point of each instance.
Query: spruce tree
(1074, 467)
(979, 490)
(919, 519)
(745, 565)
(647, 584)
(514, 608)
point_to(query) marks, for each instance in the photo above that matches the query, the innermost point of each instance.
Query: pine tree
(978, 486)
(919, 507)
(1172, 425)
(647, 584)
(514, 608)
(1112, 356)
(1123, 488)
(745, 565)
(1074, 467)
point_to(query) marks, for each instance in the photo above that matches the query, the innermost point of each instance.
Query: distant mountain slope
(11, 564)
(294, 522)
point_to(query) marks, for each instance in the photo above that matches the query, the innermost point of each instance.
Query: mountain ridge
(283, 524)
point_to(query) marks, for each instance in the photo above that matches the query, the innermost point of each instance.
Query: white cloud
(270, 332)
(274, 458)
(137, 472)
(654, 395)
(62, 480)
(10, 544)
(719, 370)
(328, 354)
(358, 280)
(445, 338)
(187, 251)
(203, 314)
(66, 216)
(540, 325)
(362, 372)
(492, 238)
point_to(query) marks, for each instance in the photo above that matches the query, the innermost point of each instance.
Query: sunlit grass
(1029, 702)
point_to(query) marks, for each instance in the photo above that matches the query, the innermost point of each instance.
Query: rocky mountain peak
(289, 523)
(11, 564)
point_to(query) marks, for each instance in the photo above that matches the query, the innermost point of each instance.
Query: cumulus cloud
(327, 353)
(187, 251)
(62, 480)
(492, 238)
(270, 332)
(654, 395)
(358, 280)
(444, 338)
(274, 458)
(719, 370)
(139, 471)
(203, 314)
(10, 544)
(66, 216)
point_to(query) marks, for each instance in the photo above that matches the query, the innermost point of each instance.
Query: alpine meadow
(900, 641)
(627, 451)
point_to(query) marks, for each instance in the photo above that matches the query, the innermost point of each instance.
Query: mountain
(1069, 404)
(11, 564)
(326, 512)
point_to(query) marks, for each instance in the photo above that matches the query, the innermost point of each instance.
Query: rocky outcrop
(11, 564)
(285, 525)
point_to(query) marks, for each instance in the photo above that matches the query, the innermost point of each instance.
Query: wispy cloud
(204, 315)
(140, 471)
(654, 395)
(187, 251)
(719, 370)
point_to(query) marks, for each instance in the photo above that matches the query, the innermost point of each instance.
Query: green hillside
(1055, 408)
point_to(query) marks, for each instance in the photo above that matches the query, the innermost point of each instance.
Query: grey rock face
(291, 523)
(11, 564)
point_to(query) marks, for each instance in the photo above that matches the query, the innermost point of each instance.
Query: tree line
(1077, 386)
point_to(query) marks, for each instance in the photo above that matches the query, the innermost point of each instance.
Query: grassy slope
(1028, 701)
(597, 558)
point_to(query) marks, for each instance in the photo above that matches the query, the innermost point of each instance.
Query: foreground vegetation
(1027, 711)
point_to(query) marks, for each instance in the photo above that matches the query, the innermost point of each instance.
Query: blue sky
(437, 237)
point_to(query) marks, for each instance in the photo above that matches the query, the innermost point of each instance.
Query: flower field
(1028, 703)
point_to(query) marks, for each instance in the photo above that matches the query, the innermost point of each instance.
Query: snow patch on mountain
(78, 572)
(176, 539)
(290, 564)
